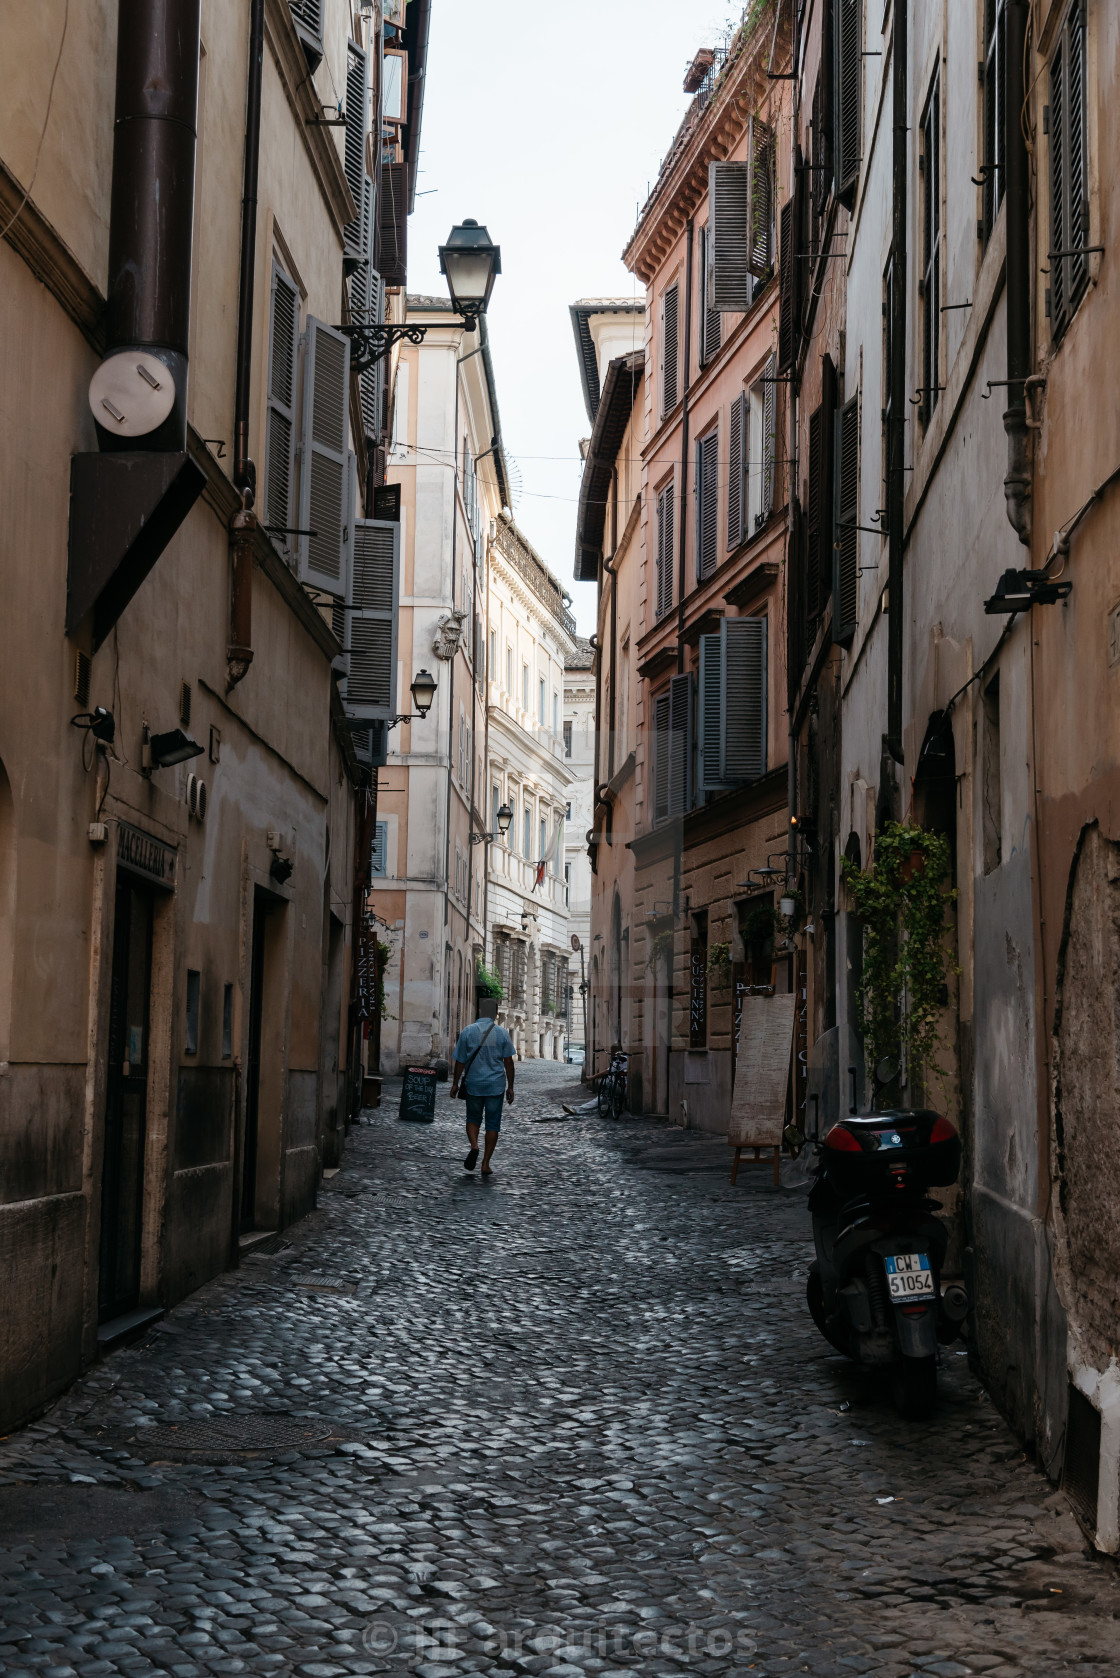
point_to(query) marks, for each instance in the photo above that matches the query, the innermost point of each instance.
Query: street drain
(262, 1434)
(324, 1286)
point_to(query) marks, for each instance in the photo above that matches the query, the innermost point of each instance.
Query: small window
(527, 849)
(540, 700)
(194, 1002)
(567, 885)
(568, 811)
(227, 1021)
(524, 687)
(555, 713)
(377, 853)
(493, 655)
(543, 838)
(567, 739)
(509, 668)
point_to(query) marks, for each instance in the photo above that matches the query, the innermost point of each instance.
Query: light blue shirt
(487, 1075)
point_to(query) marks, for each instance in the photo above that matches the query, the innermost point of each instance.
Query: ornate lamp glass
(423, 692)
(471, 262)
(504, 817)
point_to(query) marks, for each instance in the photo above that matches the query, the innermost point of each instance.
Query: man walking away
(484, 1062)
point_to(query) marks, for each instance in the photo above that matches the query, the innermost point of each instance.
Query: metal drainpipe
(896, 477)
(243, 526)
(1017, 487)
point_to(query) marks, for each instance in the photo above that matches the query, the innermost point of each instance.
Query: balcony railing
(535, 575)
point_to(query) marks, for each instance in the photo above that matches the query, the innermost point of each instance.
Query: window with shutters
(737, 435)
(370, 689)
(789, 283)
(324, 484)
(818, 502)
(367, 303)
(733, 705)
(393, 222)
(670, 349)
(698, 983)
(711, 324)
(1068, 125)
(666, 502)
(707, 503)
(763, 160)
(993, 70)
(307, 15)
(379, 848)
(847, 135)
(280, 435)
(929, 288)
(761, 448)
(356, 234)
(730, 286)
(845, 605)
(660, 765)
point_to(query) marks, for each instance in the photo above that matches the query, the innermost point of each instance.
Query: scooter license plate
(909, 1276)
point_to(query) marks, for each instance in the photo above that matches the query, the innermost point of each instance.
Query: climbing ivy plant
(901, 899)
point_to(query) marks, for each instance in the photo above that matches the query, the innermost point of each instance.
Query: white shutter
(744, 698)
(323, 457)
(769, 438)
(729, 279)
(377, 850)
(365, 306)
(760, 232)
(307, 15)
(709, 714)
(279, 451)
(355, 235)
(371, 622)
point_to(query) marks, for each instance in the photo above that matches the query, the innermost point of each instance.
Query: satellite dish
(131, 393)
(575, 942)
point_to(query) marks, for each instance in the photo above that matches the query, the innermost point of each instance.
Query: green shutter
(745, 698)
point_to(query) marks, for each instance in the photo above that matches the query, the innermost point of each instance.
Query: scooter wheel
(814, 1299)
(915, 1387)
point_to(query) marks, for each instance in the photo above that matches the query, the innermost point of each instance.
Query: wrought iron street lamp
(471, 262)
(423, 693)
(502, 817)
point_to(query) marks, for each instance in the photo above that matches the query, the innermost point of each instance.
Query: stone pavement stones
(575, 1421)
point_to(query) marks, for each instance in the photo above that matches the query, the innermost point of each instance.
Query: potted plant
(487, 984)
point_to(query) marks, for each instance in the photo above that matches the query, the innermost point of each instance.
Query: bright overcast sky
(546, 123)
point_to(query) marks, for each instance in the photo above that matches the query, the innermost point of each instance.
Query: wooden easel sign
(758, 1101)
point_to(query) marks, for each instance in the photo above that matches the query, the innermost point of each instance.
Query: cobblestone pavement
(572, 1421)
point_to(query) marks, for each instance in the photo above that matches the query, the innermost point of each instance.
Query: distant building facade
(579, 758)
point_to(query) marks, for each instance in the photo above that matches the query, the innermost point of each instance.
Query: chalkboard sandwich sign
(418, 1095)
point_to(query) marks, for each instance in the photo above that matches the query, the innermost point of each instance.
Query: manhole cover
(229, 1435)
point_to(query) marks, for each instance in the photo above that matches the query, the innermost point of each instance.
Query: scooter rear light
(914, 1310)
(841, 1139)
(943, 1131)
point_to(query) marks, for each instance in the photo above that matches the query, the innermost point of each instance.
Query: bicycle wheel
(605, 1096)
(618, 1095)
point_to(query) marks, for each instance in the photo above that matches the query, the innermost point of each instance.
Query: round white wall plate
(131, 393)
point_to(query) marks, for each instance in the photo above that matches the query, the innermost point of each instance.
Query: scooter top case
(902, 1150)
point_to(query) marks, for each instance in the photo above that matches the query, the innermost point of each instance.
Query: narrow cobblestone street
(575, 1420)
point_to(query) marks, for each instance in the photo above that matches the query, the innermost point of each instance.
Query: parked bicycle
(612, 1085)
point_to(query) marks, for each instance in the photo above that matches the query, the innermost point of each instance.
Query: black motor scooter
(875, 1290)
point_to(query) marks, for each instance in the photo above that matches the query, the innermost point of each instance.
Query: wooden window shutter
(845, 600)
(393, 223)
(709, 715)
(737, 473)
(307, 15)
(680, 744)
(366, 305)
(377, 850)
(666, 503)
(847, 135)
(744, 694)
(371, 629)
(661, 757)
(280, 437)
(760, 251)
(818, 499)
(323, 457)
(788, 288)
(670, 339)
(711, 322)
(769, 439)
(1069, 173)
(729, 278)
(355, 235)
(707, 504)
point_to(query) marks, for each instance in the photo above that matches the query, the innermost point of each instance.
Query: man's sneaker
(471, 1160)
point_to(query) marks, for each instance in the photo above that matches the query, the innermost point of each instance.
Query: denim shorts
(488, 1106)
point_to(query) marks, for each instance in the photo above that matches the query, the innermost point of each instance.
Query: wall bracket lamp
(1018, 591)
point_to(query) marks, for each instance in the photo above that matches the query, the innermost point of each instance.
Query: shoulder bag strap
(490, 1024)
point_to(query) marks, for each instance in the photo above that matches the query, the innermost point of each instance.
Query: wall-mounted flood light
(1018, 591)
(160, 751)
